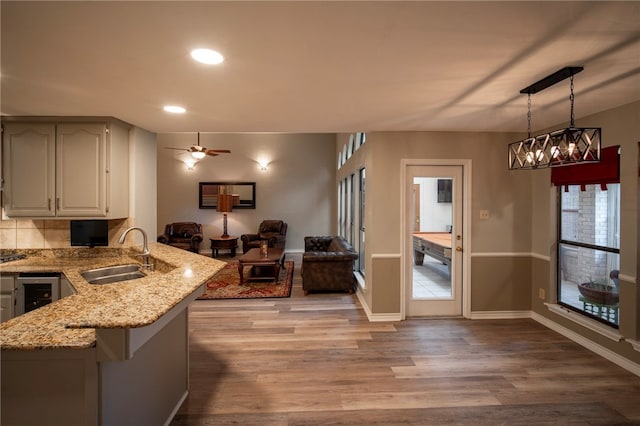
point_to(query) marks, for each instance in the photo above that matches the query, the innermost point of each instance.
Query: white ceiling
(318, 66)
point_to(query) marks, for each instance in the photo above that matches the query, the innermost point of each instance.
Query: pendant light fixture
(562, 147)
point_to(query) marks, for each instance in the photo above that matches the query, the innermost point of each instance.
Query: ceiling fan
(199, 152)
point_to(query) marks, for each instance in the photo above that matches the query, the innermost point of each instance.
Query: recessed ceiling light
(174, 109)
(207, 56)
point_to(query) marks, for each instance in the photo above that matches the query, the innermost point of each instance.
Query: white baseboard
(570, 334)
(480, 315)
(394, 316)
(589, 344)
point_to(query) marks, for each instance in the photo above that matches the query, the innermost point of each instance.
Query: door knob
(458, 248)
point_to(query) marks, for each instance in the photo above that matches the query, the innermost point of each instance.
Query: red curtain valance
(604, 172)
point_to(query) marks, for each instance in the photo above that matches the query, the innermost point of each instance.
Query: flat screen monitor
(90, 233)
(445, 189)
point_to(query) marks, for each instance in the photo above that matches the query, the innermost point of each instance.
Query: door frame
(406, 254)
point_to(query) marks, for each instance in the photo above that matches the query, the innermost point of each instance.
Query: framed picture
(208, 194)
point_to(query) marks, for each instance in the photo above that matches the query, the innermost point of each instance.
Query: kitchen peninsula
(109, 354)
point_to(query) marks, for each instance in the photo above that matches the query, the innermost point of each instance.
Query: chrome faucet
(145, 249)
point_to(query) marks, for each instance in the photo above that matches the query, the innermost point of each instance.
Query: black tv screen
(445, 189)
(89, 233)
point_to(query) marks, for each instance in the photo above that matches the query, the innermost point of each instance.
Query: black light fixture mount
(571, 145)
(552, 79)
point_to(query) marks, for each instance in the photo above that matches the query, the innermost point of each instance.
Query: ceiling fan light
(198, 155)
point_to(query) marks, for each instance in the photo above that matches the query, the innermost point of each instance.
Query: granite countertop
(71, 322)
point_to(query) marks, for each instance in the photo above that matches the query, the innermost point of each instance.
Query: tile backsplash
(45, 234)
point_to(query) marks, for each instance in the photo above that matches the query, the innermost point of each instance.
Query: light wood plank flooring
(317, 360)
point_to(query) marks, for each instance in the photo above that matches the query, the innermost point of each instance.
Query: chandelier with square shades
(562, 147)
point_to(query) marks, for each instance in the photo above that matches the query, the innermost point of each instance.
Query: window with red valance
(602, 173)
(589, 237)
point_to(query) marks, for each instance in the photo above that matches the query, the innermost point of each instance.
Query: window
(352, 207)
(589, 250)
(360, 261)
(346, 208)
(343, 210)
(351, 145)
(340, 215)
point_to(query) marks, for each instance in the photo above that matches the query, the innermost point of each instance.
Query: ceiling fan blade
(211, 154)
(220, 151)
(179, 149)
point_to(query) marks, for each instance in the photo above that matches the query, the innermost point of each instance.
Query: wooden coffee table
(271, 261)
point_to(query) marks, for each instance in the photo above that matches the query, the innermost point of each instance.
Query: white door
(434, 240)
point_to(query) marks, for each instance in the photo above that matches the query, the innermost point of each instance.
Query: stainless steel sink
(112, 274)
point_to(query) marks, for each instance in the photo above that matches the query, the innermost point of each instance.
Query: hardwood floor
(317, 360)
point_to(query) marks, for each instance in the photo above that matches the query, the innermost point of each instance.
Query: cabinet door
(29, 169)
(81, 169)
(6, 307)
(7, 297)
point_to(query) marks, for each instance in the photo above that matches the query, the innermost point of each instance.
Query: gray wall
(298, 186)
(505, 194)
(143, 182)
(620, 126)
(513, 252)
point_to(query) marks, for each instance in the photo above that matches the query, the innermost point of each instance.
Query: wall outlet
(541, 293)
(484, 214)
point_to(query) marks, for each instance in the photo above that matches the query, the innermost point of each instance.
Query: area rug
(226, 284)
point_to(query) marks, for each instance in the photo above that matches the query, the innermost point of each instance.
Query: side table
(223, 243)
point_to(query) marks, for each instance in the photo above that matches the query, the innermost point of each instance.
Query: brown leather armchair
(327, 264)
(184, 235)
(273, 231)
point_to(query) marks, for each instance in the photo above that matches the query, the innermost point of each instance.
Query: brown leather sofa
(273, 231)
(184, 235)
(327, 264)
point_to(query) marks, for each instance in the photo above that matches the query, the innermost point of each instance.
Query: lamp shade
(225, 203)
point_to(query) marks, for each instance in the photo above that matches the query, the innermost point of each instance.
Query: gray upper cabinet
(80, 169)
(29, 169)
(66, 169)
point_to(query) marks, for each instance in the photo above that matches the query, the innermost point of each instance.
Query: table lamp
(225, 205)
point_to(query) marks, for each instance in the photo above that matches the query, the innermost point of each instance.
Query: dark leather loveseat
(184, 235)
(327, 264)
(272, 231)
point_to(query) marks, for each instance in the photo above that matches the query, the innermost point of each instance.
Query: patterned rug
(226, 284)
